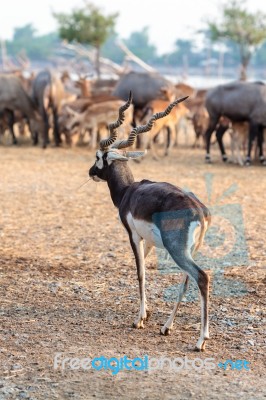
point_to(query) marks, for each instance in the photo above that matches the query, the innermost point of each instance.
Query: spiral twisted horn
(105, 143)
(145, 128)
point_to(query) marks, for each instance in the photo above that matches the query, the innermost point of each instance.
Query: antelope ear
(112, 155)
(136, 154)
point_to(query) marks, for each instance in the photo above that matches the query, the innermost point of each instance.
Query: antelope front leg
(137, 247)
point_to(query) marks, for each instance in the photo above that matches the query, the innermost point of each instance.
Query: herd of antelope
(55, 109)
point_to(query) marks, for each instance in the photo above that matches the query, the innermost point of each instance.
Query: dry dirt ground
(68, 283)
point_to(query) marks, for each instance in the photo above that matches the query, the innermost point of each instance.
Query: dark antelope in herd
(144, 210)
(240, 102)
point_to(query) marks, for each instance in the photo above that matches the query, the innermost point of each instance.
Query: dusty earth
(68, 283)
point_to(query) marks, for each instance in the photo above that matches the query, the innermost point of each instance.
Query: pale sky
(168, 20)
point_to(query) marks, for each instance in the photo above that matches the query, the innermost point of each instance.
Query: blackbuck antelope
(154, 214)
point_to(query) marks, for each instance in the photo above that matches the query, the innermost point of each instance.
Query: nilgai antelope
(13, 99)
(147, 86)
(237, 101)
(47, 94)
(142, 206)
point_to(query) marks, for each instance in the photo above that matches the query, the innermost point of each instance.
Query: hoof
(200, 346)
(262, 161)
(165, 331)
(208, 159)
(199, 350)
(225, 159)
(138, 324)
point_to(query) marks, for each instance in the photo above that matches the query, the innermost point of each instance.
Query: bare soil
(68, 283)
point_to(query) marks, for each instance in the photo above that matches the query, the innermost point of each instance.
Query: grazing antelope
(150, 213)
(95, 117)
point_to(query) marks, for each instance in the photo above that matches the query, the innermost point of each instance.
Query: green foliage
(238, 25)
(25, 40)
(86, 25)
(139, 43)
(184, 52)
(24, 33)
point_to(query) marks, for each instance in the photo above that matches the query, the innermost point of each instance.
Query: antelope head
(112, 150)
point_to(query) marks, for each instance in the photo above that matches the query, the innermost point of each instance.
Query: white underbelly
(146, 230)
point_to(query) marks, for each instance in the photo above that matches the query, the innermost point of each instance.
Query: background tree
(87, 25)
(247, 30)
(37, 47)
(183, 53)
(139, 43)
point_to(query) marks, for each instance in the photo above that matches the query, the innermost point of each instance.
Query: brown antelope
(84, 85)
(170, 122)
(154, 214)
(200, 121)
(94, 118)
(239, 137)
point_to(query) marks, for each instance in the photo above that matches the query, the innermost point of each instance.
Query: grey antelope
(154, 214)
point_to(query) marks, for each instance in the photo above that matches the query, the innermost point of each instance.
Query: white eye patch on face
(113, 155)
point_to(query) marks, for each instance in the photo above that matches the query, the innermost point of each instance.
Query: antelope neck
(119, 179)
